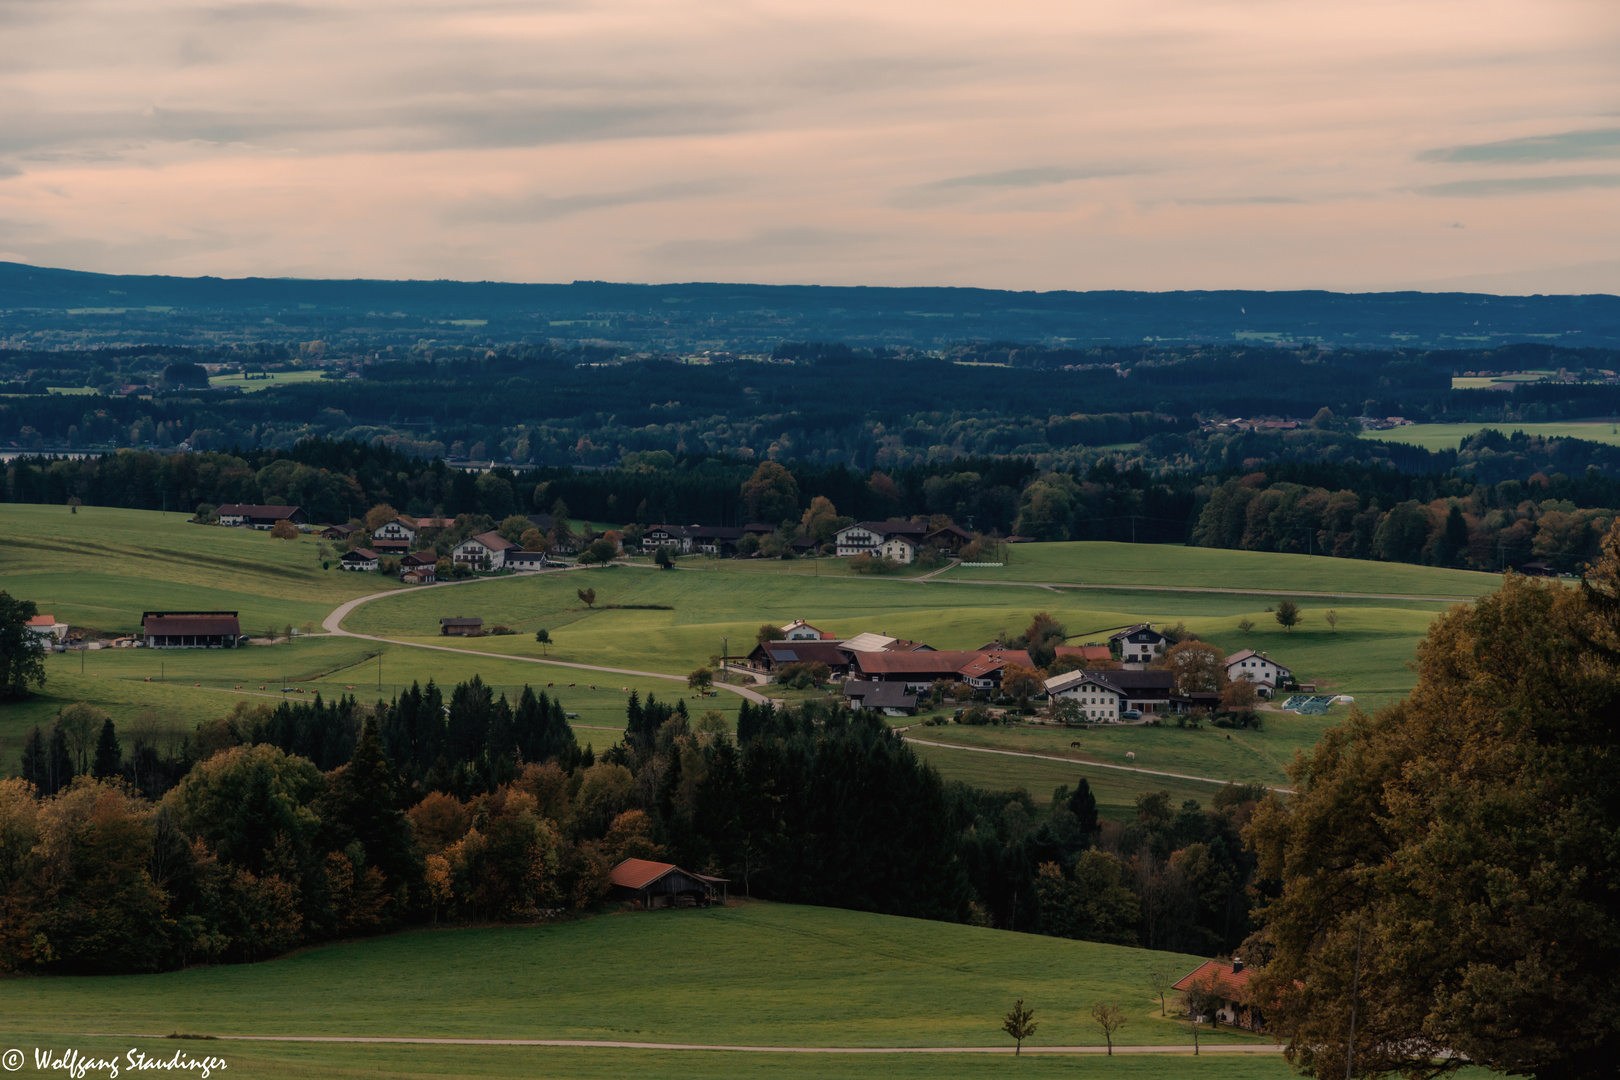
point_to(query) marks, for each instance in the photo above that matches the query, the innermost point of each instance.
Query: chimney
(1237, 965)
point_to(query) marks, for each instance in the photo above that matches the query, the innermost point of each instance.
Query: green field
(1164, 566)
(101, 567)
(1449, 436)
(284, 1061)
(835, 978)
(275, 378)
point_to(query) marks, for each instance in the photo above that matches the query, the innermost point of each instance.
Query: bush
(866, 564)
(976, 715)
(206, 512)
(499, 631)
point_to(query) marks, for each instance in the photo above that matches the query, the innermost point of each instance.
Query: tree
(1499, 767)
(1245, 624)
(1020, 1024)
(1239, 695)
(1110, 1017)
(109, 755)
(599, 551)
(769, 632)
(587, 597)
(543, 636)
(700, 680)
(378, 516)
(1020, 681)
(1331, 617)
(444, 567)
(664, 558)
(80, 723)
(771, 494)
(533, 539)
(22, 653)
(284, 530)
(1160, 982)
(514, 527)
(1287, 614)
(1197, 666)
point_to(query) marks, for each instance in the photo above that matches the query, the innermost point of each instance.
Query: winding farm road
(333, 624)
(1207, 1048)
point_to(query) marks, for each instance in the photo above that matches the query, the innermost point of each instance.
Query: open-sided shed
(658, 884)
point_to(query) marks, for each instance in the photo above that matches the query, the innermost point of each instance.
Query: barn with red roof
(660, 884)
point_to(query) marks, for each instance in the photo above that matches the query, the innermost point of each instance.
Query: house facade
(1097, 698)
(46, 627)
(1109, 695)
(486, 551)
(461, 626)
(868, 537)
(799, 630)
(252, 516)
(1225, 987)
(525, 561)
(359, 559)
(678, 538)
(1140, 644)
(1265, 673)
(902, 549)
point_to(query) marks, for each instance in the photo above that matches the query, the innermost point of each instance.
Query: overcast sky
(1079, 144)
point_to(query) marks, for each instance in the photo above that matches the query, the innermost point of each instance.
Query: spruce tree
(363, 804)
(35, 759)
(109, 755)
(61, 762)
(1083, 805)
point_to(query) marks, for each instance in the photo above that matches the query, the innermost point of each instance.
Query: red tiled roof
(933, 663)
(983, 664)
(42, 620)
(639, 873)
(1085, 652)
(495, 541)
(1231, 985)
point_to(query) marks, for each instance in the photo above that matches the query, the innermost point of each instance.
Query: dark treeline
(263, 835)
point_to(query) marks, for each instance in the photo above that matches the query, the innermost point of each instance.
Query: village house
(921, 669)
(359, 559)
(191, 629)
(524, 561)
(461, 626)
(868, 537)
(1140, 644)
(664, 885)
(713, 539)
(1227, 990)
(339, 532)
(891, 699)
(1109, 695)
(770, 655)
(948, 538)
(1266, 674)
(420, 559)
(799, 630)
(486, 551)
(46, 626)
(420, 575)
(247, 515)
(901, 549)
(678, 538)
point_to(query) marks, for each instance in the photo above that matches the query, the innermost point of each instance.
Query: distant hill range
(42, 307)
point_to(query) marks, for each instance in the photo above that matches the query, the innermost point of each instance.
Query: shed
(661, 885)
(191, 629)
(461, 627)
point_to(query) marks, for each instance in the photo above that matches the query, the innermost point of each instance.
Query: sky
(1025, 144)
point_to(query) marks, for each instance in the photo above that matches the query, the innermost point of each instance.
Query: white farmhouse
(799, 630)
(1140, 644)
(1090, 690)
(902, 549)
(46, 626)
(398, 530)
(1265, 673)
(486, 551)
(869, 537)
(359, 559)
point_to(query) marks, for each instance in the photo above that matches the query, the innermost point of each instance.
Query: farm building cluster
(1108, 682)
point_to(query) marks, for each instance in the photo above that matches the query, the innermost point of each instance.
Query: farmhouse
(771, 655)
(891, 699)
(1228, 988)
(524, 560)
(486, 551)
(678, 538)
(423, 575)
(339, 532)
(1140, 644)
(983, 672)
(882, 643)
(398, 531)
(712, 539)
(460, 626)
(869, 537)
(950, 538)
(359, 559)
(1107, 695)
(664, 885)
(1267, 674)
(900, 548)
(248, 515)
(47, 627)
(191, 629)
(922, 668)
(799, 630)
(419, 560)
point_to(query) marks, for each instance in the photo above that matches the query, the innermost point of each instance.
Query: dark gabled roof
(1136, 683)
(950, 530)
(420, 558)
(1139, 632)
(191, 623)
(459, 621)
(715, 532)
(894, 528)
(541, 521)
(253, 510)
(672, 530)
(806, 652)
(494, 541)
(880, 695)
(360, 555)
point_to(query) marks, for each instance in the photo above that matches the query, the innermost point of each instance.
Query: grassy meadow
(835, 978)
(1449, 436)
(327, 1061)
(101, 567)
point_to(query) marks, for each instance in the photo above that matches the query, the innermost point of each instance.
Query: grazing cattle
(1130, 755)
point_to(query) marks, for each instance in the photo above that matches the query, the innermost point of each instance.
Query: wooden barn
(665, 885)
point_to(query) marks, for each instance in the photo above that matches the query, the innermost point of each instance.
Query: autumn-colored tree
(1197, 666)
(1239, 695)
(1020, 681)
(821, 521)
(1110, 1017)
(700, 680)
(514, 527)
(1446, 867)
(533, 539)
(768, 632)
(284, 530)
(771, 494)
(1020, 1023)
(378, 516)
(586, 597)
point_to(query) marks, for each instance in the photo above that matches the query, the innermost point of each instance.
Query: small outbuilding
(664, 885)
(461, 627)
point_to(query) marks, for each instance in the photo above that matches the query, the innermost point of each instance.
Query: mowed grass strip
(754, 974)
(102, 567)
(1450, 436)
(296, 1061)
(1099, 563)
